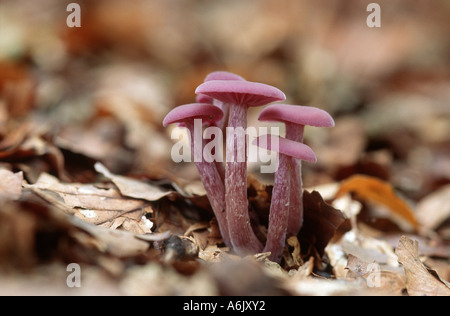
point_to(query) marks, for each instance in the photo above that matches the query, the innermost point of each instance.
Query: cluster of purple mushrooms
(223, 101)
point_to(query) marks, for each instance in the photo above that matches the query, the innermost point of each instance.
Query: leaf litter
(86, 174)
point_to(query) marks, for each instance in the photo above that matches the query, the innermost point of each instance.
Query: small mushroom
(219, 75)
(239, 95)
(295, 118)
(289, 151)
(202, 98)
(185, 115)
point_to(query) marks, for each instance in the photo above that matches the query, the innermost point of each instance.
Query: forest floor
(88, 186)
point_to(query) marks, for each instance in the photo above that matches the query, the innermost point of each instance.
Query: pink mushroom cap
(241, 92)
(296, 114)
(217, 75)
(286, 147)
(201, 98)
(223, 75)
(207, 112)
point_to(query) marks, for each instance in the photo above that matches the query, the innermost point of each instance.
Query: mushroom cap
(241, 92)
(201, 98)
(223, 75)
(183, 113)
(217, 75)
(286, 147)
(296, 114)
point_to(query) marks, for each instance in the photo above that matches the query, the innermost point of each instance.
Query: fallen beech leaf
(419, 281)
(106, 207)
(133, 188)
(375, 190)
(10, 184)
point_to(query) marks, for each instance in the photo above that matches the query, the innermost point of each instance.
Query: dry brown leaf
(442, 267)
(10, 184)
(419, 280)
(375, 190)
(106, 207)
(132, 187)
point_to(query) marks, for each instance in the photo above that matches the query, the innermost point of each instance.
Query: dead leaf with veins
(133, 188)
(100, 206)
(419, 280)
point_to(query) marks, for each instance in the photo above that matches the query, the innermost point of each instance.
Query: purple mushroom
(202, 98)
(295, 118)
(186, 115)
(219, 75)
(239, 95)
(289, 151)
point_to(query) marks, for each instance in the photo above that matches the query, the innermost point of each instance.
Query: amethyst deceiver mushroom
(289, 151)
(219, 75)
(185, 115)
(239, 95)
(202, 98)
(295, 118)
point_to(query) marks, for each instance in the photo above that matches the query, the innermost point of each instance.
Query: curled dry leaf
(419, 280)
(133, 188)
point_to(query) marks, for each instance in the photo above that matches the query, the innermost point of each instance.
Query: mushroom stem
(225, 109)
(279, 209)
(243, 238)
(213, 185)
(295, 132)
(222, 125)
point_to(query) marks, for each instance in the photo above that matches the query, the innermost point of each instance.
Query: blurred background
(100, 91)
(71, 97)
